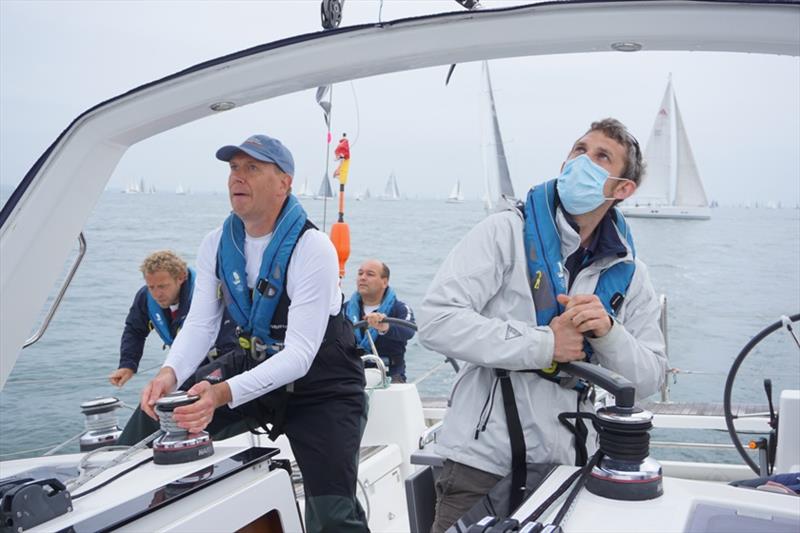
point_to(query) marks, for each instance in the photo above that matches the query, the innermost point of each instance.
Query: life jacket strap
(519, 470)
(257, 349)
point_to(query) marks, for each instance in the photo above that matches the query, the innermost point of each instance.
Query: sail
(688, 187)
(304, 191)
(455, 194)
(388, 191)
(456, 189)
(391, 191)
(325, 190)
(498, 178)
(655, 186)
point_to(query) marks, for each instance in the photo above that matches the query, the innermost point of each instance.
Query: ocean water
(725, 279)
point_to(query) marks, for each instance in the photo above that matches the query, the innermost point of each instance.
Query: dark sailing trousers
(325, 438)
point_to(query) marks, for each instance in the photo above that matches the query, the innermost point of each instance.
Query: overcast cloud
(57, 59)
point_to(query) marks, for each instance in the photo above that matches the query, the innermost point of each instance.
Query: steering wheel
(732, 376)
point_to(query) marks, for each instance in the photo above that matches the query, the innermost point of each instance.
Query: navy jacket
(392, 345)
(137, 327)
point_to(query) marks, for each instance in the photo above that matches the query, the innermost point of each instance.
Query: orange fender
(340, 237)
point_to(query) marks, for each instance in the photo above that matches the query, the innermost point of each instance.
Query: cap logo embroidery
(253, 140)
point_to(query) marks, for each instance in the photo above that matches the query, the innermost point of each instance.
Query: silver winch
(626, 471)
(177, 445)
(102, 426)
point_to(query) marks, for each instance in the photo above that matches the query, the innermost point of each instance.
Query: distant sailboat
(391, 192)
(133, 188)
(497, 179)
(304, 191)
(456, 196)
(363, 195)
(665, 159)
(325, 190)
(180, 189)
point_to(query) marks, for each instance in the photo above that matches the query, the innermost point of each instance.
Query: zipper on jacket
(481, 427)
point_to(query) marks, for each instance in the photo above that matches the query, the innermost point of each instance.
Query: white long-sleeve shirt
(313, 288)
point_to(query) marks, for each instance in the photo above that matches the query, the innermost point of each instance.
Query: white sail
(497, 178)
(133, 188)
(391, 191)
(655, 186)
(669, 162)
(304, 191)
(456, 196)
(689, 189)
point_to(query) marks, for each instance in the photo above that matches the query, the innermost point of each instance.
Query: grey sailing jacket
(479, 310)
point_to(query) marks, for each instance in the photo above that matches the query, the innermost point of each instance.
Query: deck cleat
(626, 471)
(177, 445)
(102, 426)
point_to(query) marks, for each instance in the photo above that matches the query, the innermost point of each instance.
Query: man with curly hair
(161, 305)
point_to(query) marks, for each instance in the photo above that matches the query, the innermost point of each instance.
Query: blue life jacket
(160, 321)
(254, 312)
(545, 264)
(354, 315)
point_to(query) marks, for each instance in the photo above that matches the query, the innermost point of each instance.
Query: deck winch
(626, 470)
(102, 426)
(177, 445)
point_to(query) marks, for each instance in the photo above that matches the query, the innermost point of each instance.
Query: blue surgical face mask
(580, 185)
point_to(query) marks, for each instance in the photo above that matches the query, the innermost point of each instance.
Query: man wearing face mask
(553, 281)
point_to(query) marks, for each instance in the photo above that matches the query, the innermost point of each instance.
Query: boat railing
(57, 300)
(672, 372)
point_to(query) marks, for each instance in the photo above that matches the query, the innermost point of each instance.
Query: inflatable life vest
(159, 320)
(354, 315)
(254, 312)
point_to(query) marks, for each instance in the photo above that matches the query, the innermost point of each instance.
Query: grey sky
(57, 59)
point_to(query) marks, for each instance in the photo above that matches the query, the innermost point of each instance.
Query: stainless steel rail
(54, 306)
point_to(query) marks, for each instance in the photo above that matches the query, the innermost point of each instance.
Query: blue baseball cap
(263, 148)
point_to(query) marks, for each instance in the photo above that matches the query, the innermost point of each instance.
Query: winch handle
(622, 389)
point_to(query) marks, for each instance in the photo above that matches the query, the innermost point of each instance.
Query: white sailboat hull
(667, 211)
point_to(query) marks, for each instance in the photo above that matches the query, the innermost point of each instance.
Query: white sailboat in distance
(391, 192)
(456, 196)
(665, 159)
(304, 191)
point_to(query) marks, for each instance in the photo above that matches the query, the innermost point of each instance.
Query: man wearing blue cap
(297, 371)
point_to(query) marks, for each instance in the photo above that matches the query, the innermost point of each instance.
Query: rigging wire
(358, 115)
(327, 159)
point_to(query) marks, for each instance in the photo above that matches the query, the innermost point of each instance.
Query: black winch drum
(626, 471)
